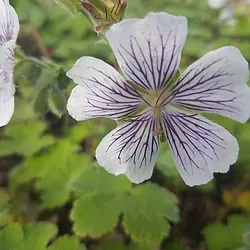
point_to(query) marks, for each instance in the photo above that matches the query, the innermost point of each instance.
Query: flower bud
(104, 13)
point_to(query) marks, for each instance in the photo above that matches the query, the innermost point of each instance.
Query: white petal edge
(9, 23)
(200, 147)
(7, 61)
(130, 149)
(216, 83)
(6, 111)
(148, 50)
(101, 91)
(7, 88)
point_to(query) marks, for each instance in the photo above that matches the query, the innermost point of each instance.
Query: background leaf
(4, 209)
(54, 185)
(220, 237)
(25, 138)
(35, 236)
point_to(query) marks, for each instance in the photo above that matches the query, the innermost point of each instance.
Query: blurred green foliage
(228, 236)
(35, 236)
(48, 172)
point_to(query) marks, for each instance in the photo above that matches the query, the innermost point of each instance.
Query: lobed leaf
(102, 197)
(53, 172)
(25, 139)
(147, 208)
(36, 236)
(147, 215)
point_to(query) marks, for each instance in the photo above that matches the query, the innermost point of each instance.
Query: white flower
(9, 27)
(154, 103)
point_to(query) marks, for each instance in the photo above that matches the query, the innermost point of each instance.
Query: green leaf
(67, 243)
(35, 236)
(102, 198)
(23, 110)
(44, 96)
(46, 78)
(25, 138)
(41, 106)
(165, 162)
(4, 209)
(96, 214)
(220, 237)
(63, 80)
(81, 131)
(57, 101)
(147, 214)
(103, 182)
(53, 172)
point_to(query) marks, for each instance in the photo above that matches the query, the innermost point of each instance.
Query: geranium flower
(156, 104)
(9, 28)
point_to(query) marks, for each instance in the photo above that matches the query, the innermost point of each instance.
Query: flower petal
(148, 50)
(7, 61)
(101, 92)
(9, 24)
(7, 88)
(199, 146)
(6, 110)
(216, 84)
(130, 149)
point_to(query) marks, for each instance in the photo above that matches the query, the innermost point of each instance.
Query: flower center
(156, 99)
